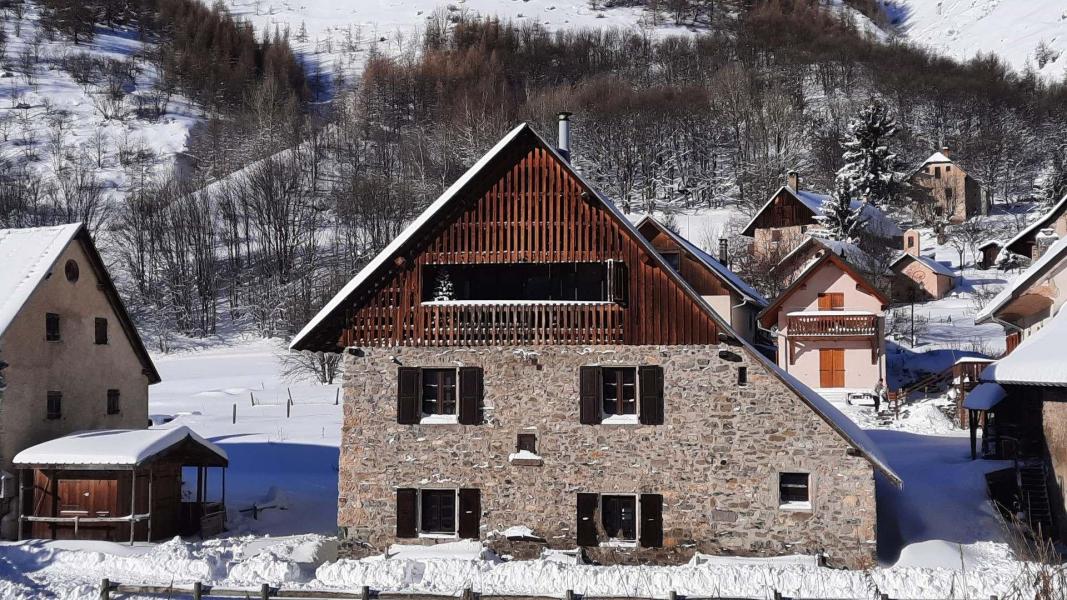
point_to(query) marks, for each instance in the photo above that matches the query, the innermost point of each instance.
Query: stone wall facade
(715, 460)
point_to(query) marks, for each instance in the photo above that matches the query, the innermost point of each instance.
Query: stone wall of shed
(715, 460)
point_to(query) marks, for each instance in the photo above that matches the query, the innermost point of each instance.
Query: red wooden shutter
(651, 521)
(590, 389)
(586, 525)
(409, 379)
(470, 395)
(406, 510)
(651, 384)
(470, 513)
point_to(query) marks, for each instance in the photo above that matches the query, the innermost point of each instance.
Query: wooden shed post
(133, 505)
(22, 502)
(151, 480)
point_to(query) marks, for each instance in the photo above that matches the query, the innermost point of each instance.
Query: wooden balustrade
(833, 325)
(479, 324)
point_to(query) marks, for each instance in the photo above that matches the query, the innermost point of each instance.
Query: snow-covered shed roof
(984, 396)
(874, 219)
(1032, 229)
(1052, 257)
(928, 262)
(115, 448)
(1038, 360)
(732, 279)
(29, 255)
(937, 157)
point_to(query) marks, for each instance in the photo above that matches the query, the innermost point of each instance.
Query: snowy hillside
(1022, 32)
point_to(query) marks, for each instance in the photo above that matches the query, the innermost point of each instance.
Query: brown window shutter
(407, 395)
(470, 395)
(651, 384)
(590, 388)
(651, 521)
(407, 500)
(586, 526)
(618, 283)
(470, 513)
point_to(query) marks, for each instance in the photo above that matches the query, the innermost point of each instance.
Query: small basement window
(794, 491)
(619, 518)
(438, 395)
(437, 512)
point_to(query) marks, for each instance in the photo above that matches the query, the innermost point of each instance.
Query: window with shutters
(51, 327)
(54, 407)
(618, 517)
(438, 396)
(113, 402)
(618, 395)
(437, 512)
(615, 520)
(100, 330)
(793, 491)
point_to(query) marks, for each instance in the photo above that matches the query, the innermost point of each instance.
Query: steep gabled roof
(118, 448)
(928, 262)
(1038, 360)
(1051, 215)
(937, 157)
(875, 220)
(850, 252)
(731, 279)
(766, 314)
(28, 256)
(1052, 258)
(840, 423)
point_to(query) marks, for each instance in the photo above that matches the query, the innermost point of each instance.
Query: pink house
(829, 325)
(918, 277)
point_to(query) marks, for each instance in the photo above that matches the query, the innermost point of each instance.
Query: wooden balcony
(487, 323)
(826, 324)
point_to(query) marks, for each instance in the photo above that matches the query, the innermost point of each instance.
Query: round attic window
(71, 270)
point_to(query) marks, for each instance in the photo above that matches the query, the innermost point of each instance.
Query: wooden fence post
(468, 594)
(337, 397)
(290, 392)
(252, 398)
(264, 591)
(364, 593)
(234, 413)
(288, 408)
(105, 589)
(198, 590)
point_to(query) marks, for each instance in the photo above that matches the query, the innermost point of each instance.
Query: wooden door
(831, 367)
(832, 301)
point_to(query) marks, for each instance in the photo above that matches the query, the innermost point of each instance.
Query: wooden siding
(705, 281)
(528, 208)
(784, 211)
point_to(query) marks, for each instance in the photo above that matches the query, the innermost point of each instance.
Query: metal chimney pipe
(724, 252)
(565, 135)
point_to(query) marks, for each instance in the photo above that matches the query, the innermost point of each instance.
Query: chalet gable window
(446, 395)
(51, 327)
(794, 492)
(54, 405)
(438, 513)
(673, 259)
(621, 395)
(100, 330)
(620, 520)
(525, 282)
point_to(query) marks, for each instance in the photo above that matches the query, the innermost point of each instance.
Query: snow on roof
(984, 396)
(973, 359)
(1038, 360)
(1049, 260)
(124, 447)
(829, 313)
(875, 220)
(988, 243)
(933, 265)
(1040, 223)
(26, 258)
(937, 157)
(732, 279)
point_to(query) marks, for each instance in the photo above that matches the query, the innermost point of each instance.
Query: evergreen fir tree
(443, 289)
(1055, 185)
(839, 219)
(870, 168)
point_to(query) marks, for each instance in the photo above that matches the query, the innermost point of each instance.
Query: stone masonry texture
(715, 460)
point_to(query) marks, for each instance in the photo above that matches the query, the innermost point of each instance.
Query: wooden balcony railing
(823, 325)
(506, 324)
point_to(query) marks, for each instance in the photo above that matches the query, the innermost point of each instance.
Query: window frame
(57, 414)
(116, 407)
(455, 514)
(673, 259)
(440, 418)
(620, 543)
(96, 331)
(49, 334)
(794, 505)
(620, 418)
(526, 440)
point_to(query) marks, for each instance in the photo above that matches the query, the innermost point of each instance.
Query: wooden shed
(119, 484)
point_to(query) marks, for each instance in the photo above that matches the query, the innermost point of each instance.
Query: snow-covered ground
(1015, 30)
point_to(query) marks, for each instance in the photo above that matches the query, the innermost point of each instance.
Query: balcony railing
(827, 324)
(484, 323)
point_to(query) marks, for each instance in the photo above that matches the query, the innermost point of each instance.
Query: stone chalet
(523, 368)
(944, 186)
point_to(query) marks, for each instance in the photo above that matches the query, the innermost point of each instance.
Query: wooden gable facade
(522, 208)
(784, 209)
(703, 279)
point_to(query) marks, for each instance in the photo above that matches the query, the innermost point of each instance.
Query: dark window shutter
(590, 388)
(406, 510)
(470, 395)
(618, 283)
(587, 519)
(407, 395)
(470, 513)
(651, 383)
(651, 521)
